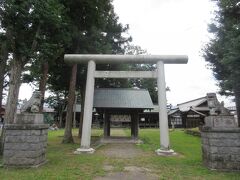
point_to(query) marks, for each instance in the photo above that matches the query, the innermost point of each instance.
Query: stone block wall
(221, 148)
(25, 145)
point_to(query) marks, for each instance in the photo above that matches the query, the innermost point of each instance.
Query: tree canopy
(223, 51)
(37, 33)
(30, 28)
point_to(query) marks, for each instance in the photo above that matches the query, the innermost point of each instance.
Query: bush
(193, 131)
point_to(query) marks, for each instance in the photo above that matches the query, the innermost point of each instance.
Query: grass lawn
(63, 164)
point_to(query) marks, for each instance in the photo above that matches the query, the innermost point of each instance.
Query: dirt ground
(121, 151)
(125, 152)
(129, 173)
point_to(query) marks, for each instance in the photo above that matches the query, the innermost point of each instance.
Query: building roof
(202, 108)
(193, 103)
(197, 112)
(154, 110)
(122, 98)
(173, 111)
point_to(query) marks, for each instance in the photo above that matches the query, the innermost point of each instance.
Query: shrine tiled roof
(122, 98)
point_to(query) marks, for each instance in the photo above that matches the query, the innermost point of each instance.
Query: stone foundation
(25, 144)
(221, 144)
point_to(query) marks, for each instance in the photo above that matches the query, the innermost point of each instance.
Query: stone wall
(25, 145)
(221, 144)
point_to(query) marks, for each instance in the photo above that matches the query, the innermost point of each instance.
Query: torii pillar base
(84, 151)
(169, 152)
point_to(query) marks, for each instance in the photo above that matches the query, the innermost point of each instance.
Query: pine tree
(26, 24)
(223, 51)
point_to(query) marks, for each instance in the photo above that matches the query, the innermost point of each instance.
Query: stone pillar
(163, 117)
(88, 107)
(221, 143)
(25, 141)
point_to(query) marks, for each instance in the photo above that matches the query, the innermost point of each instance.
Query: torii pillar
(92, 59)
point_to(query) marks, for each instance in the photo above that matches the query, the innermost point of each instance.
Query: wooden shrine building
(121, 106)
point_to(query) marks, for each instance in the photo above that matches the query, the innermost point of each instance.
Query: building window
(176, 120)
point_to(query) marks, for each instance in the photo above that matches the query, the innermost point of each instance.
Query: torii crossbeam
(92, 59)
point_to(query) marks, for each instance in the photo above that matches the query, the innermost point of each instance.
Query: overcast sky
(171, 27)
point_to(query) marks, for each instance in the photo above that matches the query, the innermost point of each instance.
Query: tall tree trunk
(60, 111)
(237, 100)
(2, 69)
(2, 73)
(82, 91)
(71, 97)
(3, 62)
(42, 84)
(13, 92)
(74, 112)
(61, 119)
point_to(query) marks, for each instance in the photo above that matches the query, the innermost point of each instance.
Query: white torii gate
(92, 59)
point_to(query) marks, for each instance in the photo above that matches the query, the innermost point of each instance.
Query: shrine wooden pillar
(134, 124)
(106, 125)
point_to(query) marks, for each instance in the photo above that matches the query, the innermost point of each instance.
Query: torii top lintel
(136, 59)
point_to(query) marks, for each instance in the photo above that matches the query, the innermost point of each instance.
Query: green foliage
(223, 51)
(48, 118)
(193, 131)
(35, 33)
(149, 84)
(31, 26)
(57, 101)
(94, 29)
(50, 38)
(3, 65)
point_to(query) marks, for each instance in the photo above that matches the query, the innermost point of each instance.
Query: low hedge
(193, 131)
